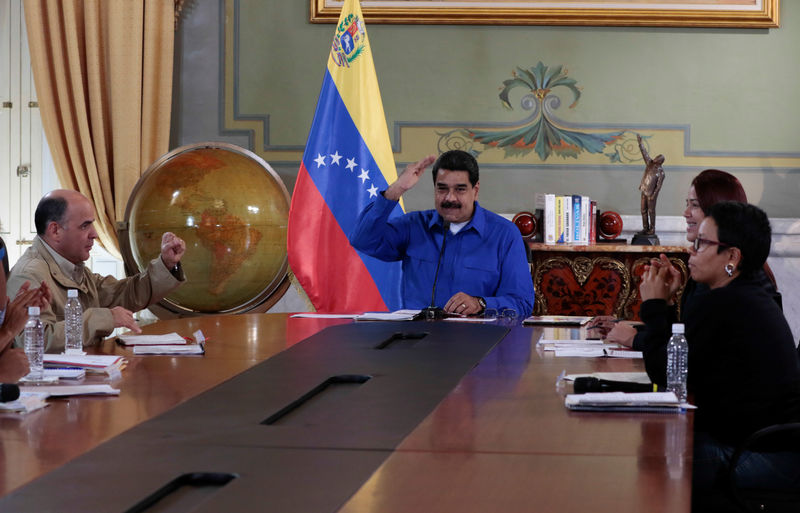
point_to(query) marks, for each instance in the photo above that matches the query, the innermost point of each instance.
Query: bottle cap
(72, 293)
(33, 310)
(678, 328)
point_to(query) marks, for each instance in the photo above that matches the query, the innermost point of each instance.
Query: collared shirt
(485, 258)
(75, 272)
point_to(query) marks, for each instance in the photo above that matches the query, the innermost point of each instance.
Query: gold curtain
(103, 75)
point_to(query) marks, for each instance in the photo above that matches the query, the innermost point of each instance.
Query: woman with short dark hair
(744, 371)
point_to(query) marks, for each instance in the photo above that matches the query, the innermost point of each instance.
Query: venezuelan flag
(347, 161)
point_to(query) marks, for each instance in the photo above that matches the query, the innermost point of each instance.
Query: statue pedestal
(641, 239)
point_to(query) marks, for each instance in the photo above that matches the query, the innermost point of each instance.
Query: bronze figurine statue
(652, 180)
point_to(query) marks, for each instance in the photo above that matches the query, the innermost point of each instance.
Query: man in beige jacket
(65, 235)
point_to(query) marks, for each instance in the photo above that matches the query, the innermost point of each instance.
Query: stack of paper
(314, 315)
(399, 315)
(70, 390)
(27, 402)
(658, 402)
(563, 320)
(588, 348)
(169, 349)
(110, 364)
(151, 340)
(630, 377)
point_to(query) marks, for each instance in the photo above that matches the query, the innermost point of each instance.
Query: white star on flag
(335, 158)
(364, 175)
(320, 160)
(373, 191)
(351, 163)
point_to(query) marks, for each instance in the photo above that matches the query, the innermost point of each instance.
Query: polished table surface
(501, 440)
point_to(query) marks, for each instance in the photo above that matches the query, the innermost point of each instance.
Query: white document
(594, 351)
(386, 316)
(89, 361)
(65, 373)
(585, 352)
(312, 315)
(629, 377)
(566, 320)
(625, 398)
(575, 342)
(623, 353)
(173, 350)
(27, 402)
(470, 319)
(68, 390)
(151, 340)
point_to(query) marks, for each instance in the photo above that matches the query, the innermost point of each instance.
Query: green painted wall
(735, 90)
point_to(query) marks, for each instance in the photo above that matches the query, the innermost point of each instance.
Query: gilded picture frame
(651, 13)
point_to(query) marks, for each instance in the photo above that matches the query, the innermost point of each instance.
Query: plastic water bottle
(677, 362)
(73, 323)
(34, 343)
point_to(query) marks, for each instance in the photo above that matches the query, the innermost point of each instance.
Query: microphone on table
(583, 385)
(8, 392)
(434, 312)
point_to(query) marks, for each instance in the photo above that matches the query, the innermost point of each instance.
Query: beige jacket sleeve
(98, 294)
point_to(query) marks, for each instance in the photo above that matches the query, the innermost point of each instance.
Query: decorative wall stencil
(542, 131)
(414, 135)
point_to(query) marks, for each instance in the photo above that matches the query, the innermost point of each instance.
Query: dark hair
(713, 186)
(746, 227)
(48, 210)
(457, 160)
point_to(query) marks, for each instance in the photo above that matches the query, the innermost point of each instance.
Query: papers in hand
(658, 402)
(151, 340)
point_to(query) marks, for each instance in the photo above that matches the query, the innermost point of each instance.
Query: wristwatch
(482, 302)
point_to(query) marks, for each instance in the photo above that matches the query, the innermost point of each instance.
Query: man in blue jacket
(483, 264)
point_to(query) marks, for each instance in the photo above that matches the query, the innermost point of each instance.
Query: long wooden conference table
(496, 438)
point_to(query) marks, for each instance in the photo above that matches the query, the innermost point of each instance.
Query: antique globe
(231, 208)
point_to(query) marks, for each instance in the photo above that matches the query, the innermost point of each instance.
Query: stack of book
(568, 219)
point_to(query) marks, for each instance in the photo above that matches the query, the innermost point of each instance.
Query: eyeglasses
(701, 243)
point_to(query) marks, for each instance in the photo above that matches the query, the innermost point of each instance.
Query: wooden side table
(598, 279)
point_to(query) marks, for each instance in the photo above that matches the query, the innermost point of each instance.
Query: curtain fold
(103, 75)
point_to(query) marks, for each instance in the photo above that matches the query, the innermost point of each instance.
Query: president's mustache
(451, 204)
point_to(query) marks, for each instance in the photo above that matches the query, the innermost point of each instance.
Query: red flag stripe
(339, 268)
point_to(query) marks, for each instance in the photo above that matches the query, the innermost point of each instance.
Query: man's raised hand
(408, 178)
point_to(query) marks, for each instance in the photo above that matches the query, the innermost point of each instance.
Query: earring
(729, 268)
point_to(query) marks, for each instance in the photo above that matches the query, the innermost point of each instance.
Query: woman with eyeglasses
(744, 370)
(707, 188)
